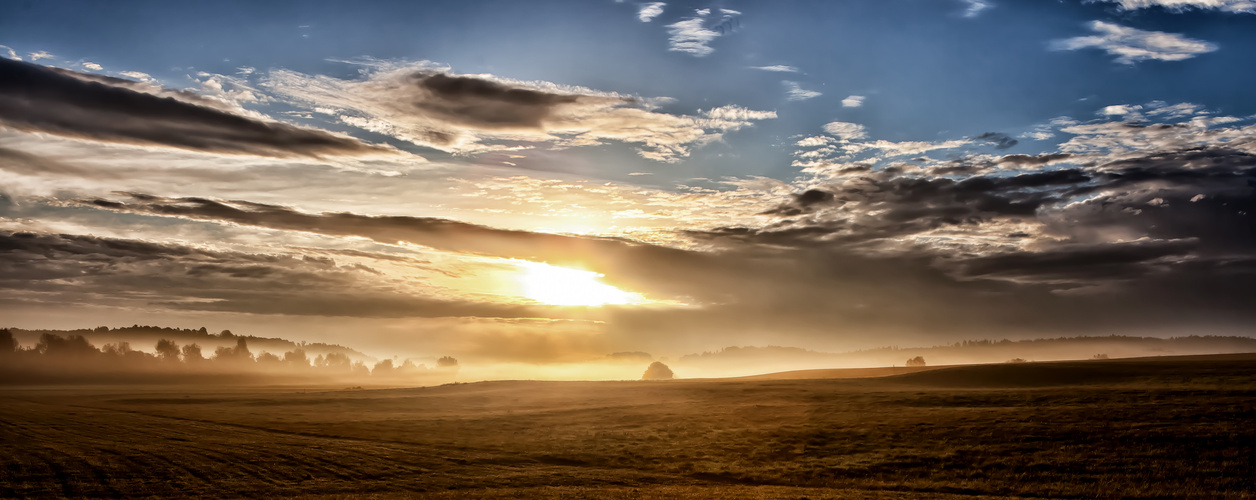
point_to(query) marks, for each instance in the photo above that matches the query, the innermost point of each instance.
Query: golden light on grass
(561, 286)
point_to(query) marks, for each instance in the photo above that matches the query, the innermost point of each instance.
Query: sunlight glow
(562, 286)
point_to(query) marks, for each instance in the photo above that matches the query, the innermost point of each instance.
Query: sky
(541, 184)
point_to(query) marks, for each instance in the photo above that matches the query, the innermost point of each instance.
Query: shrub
(658, 371)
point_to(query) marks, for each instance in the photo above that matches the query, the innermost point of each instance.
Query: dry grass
(1118, 429)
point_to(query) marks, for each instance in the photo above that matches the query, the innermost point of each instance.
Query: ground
(1155, 428)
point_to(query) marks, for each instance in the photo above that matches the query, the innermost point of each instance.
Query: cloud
(1119, 110)
(1233, 6)
(1000, 140)
(35, 98)
(691, 37)
(1123, 209)
(780, 68)
(24, 163)
(975, 7)
(441, 234)
(846, 131)
(10, 53)
(1132, 45)
(469, 114)
(695, 34)
(144, 274)
(136, 75)
(93, 66)
(732, 117)
(1097, 239)
(1128, 226)
(35, 56)
(853, 101)
(794, 92)
(650, 11)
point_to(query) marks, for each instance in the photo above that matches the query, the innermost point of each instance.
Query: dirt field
(1158, 428)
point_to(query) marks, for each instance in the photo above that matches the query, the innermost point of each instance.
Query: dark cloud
(69, 269)
(1160, 240)
(35, 98)
(800, 278)
(477, 113)
(803, 202)
(1034, 160)
(481, 103)
(1083, 263)
(1164, 237)
(29, 164)
(437, 233)
(1000, 140)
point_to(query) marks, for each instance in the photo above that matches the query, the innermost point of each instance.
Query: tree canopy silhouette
(658, 371)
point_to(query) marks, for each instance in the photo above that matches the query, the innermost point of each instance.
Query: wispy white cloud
(694, 35)
(1131, 45)
(975, 7)
(794, 92)
(1234, 6)
(1119, 109)
(814, 141)
(12, 54)
(35, 56)
(853, 101)
(777, 67)
(650, 11)
(691, 37)
(92, 66)
(1180, 110)
(136, 75)
(845, 130)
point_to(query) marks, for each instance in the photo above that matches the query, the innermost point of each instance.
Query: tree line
(72, 358)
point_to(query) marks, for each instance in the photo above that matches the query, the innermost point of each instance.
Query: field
(1151, 428)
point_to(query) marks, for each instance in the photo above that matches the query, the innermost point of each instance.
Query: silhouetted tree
(192, 354)
(916, 361)
(658, 371)
(167, 350)
(383, 368)
(1017, 360)
(446, 362)
(239, 354)
(334, 361)
(296, 359)
(74, 346)
(268, 359)
(409, 368)
(8, 344)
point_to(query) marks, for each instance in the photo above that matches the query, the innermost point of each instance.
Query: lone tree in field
(916, 361)
(658, 371)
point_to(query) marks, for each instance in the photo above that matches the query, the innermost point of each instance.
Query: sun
(561, 286)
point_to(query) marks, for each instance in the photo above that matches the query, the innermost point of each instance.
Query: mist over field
(191, 356)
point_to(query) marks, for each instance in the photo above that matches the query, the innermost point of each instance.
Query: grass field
(1154, 428)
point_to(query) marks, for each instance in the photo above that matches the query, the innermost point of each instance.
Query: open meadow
(1149, 428)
